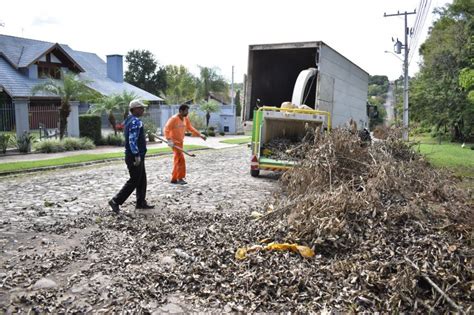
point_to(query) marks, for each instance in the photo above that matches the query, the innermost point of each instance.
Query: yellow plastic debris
(281, 246)
(267, 152)
(304, 251)
(241, 253)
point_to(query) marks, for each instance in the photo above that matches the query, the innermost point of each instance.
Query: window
(48, 71)
(226, 128)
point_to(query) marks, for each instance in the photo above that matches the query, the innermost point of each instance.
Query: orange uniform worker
(174, 133)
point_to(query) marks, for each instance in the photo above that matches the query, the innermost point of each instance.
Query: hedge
(90, 126)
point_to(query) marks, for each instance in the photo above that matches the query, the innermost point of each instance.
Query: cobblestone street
(56, 213)
(217, 179)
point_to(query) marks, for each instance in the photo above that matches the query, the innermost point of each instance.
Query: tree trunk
(112, 122)
(64, 111)
(208, 117)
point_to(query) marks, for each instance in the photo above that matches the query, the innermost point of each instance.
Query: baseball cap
(136, 103)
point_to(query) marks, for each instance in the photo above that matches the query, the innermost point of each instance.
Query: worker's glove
(137, 161)
(170, 143)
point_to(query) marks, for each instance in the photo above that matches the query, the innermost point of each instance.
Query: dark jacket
(134, 132)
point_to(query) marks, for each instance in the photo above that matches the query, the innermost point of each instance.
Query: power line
(423, 10)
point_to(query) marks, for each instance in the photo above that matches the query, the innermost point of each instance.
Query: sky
(217, 33)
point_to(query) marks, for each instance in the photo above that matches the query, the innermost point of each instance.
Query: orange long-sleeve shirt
(175, 129)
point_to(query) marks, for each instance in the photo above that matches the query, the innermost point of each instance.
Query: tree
(437, 96)
(144, 72)
(181, 84)
(71, 88)
(124, 100)
(107, 104)
(238, 106)
(211, 81)
(378, 80)
(209, 107)
(466, 80)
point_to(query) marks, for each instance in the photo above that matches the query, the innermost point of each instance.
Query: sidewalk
(211, 142)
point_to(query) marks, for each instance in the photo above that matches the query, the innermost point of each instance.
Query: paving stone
(45, 283)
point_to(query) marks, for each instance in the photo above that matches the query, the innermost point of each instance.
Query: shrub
(117, 140)
(440, 134)
(419, 129)
(72, 144)
(67, 144)
(196, 120)
(102, 141)
(222, 133)
(5, 139)
(211, 131)
(87, 144)
(90, 126)
(150, 128)
(50, 146)
(24, 142)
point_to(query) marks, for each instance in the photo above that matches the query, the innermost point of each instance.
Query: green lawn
(448, 155)
(80, 158)
(237, 140)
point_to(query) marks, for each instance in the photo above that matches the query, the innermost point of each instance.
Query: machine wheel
(254, 173)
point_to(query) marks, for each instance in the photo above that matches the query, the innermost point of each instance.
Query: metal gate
(7, 117)
(43, 112)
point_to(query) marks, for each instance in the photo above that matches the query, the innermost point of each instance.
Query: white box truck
(332, 87)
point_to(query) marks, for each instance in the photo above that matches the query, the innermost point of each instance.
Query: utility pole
(232, 87)
(405, 70)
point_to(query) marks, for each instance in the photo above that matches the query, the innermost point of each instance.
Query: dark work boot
(115, 207)
(144, 206)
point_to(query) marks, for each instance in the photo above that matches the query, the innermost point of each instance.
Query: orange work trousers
(179, 164)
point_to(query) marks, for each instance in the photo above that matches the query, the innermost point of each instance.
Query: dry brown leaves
(372, 208)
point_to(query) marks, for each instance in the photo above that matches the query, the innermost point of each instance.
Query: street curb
(72, 165)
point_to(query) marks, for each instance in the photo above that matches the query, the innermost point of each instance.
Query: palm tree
(209, 107)
(123, 100)
(210, 81)
(71, 88)
(107, 104)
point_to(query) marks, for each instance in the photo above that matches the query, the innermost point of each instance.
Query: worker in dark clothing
(135, 150)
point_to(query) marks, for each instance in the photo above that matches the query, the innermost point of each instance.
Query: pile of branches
(398, 232)
(289, 149)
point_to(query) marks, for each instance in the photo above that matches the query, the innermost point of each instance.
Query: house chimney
(115, 67)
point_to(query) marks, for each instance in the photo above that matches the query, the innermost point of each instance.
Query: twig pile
(289, 149)
(394, 227)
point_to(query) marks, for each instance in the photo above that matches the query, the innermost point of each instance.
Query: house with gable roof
(24, 63)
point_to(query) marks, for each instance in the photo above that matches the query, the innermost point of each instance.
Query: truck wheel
(254, 173)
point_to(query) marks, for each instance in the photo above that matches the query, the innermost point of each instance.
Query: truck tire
(254, 173)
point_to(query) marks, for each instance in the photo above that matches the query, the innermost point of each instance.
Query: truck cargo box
(339, 86)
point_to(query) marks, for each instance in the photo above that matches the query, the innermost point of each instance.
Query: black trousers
(136, 181)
